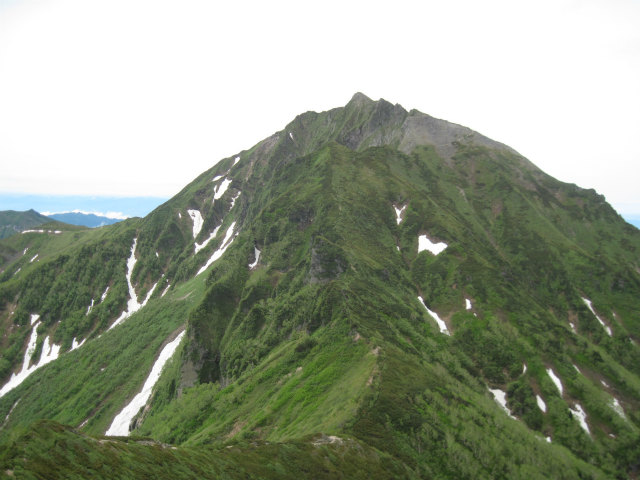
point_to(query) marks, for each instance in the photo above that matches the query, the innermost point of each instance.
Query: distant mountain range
(85, 219)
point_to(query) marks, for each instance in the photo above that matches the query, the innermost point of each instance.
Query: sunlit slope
(366, 273)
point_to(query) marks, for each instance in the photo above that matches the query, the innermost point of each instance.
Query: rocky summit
(370, 292)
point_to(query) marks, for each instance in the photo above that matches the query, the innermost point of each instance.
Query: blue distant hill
(85, 219)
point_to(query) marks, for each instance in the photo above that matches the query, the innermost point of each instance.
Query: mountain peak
(360, 98)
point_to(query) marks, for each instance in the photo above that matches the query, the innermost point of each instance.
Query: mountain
(368, 293)
(12, 222)
(85, 219)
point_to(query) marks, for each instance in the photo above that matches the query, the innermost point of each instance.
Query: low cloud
(112, 215)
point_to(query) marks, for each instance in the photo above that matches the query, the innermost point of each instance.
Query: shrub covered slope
(323, 330)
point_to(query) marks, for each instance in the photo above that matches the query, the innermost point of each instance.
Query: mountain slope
(305, 274)
(12, 222)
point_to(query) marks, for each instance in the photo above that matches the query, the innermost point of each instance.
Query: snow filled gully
(434, 315)
(49, 353)
(132, 305)
(228, 239)
(606, 327)
(120, 424)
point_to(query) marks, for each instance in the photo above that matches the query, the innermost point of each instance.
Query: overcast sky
(139, 97)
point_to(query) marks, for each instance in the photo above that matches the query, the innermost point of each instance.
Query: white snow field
(256, 253)
(425, 244)
(200, 246)
(541, 405)
(604, 325)
(220, 189)
(233, 200)
(501, 399)
(434, 315)
(581, 416)
(197, 221)
(555, 379)
(221, 249)
(75, 344)
(104, 295)
(615, 404)
(121, 422)
(49, 353)
(90, 307)
(399, 212)
(132, 305)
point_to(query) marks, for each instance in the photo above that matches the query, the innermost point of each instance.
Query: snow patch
(291, 136)
(89, 307)
(256, 253)
(615, 404)
(434, 315)
(49, 353)
(581, 417)
(200, 246)
(42, 231)
(425, 244)
(221, 249)
(75, 344)
(399, 212)
(604, 325)
(34, 257)
(467, 304)
(179, 215)
(132, 305)
(220, 189)
(121, 422)
(573, 327)
(501, 399)
(197, 221)
(233, 200)
(541, 405)
(548, 439)
(524, 368)
(104, 295)
(555, 379)
(6, 419)
(25, 251)
(217, 177)
(577, 369)
(236, 160)
(164, 292)
(17, 271)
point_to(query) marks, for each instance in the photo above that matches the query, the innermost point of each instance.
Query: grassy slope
(339, 211)
(326, 335)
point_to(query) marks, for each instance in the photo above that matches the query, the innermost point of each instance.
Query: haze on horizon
(137, 98)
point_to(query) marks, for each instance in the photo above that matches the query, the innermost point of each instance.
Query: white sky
(139, 97)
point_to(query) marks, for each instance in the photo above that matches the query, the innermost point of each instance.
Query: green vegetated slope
(12, 222)
(324, 334)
